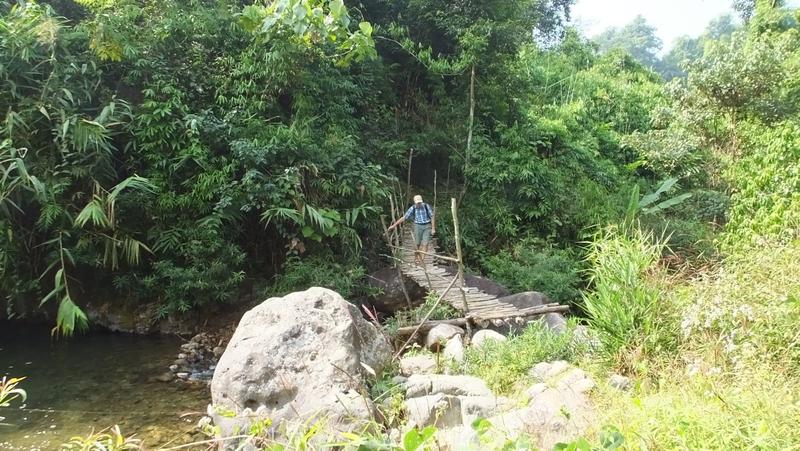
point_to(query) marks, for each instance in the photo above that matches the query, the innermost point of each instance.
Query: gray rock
(440, 410)
(555, 322)
(544, 371)
(484, 284)
(417, 364)
(485, 335)
(525, 300)
(165, 377)
(392, 298)
(620, 382)
(182, 375)
(558, 411)
(439, 335)
(173, 368)
(450, 411)
(454, 349)
(180, 362)
(298, 357)
(429, 384)
(576, 380)
(218, 350)
(474, 407)
(583, 336)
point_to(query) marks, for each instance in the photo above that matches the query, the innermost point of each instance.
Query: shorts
(422, 234)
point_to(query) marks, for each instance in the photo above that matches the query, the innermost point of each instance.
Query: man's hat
(417, 199)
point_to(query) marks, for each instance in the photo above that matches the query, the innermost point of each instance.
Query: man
(424, 226)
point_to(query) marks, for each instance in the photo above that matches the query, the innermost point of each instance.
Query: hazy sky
(672, 18)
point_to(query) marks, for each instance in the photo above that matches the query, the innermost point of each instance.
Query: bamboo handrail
(442, 257)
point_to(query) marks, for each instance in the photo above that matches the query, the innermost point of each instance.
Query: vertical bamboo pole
(447, 183)
(397, 263)
(434, 191)
(459, 257)
(408, 176)
(468, 152)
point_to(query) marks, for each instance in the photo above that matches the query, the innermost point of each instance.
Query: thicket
(180, 151)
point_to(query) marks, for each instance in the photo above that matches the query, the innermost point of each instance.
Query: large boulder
(484, 284)
(525, 300)
(293, 358)
(392, 298)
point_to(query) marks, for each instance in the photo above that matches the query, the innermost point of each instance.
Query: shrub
(766, 203)
(554, 272)
(505, 364)
(318, 271)
(626, 305)
(417, 314)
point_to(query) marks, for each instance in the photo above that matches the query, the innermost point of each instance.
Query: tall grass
(626, 306)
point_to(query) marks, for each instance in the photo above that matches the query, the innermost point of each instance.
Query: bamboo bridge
(477, 307)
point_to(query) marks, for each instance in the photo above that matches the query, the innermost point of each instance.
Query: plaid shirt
(420, 215)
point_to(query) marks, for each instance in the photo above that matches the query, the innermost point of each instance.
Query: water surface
(91, 382)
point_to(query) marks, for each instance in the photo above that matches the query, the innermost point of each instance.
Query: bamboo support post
(460, 257)
(427, 315)
(396, 265)
(408, 177)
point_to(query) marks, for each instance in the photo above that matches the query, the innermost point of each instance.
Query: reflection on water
(93, 382)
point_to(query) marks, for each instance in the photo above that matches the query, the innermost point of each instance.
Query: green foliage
(554, 272)
(505, 365)
(626, 305)
(757, 410)
(311, 23)
(9, 391)
(766, 204)
(213, 150)
(610, 439)
(414, 316)
(646, 205)
(301, 273)
(744, 314)
(113, 440)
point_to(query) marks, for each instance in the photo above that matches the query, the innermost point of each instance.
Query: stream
(92, 382)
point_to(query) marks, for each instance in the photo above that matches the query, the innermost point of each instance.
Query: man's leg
(417, 243)
(425, 238)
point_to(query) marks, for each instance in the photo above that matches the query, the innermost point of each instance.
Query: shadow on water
(92, 382)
